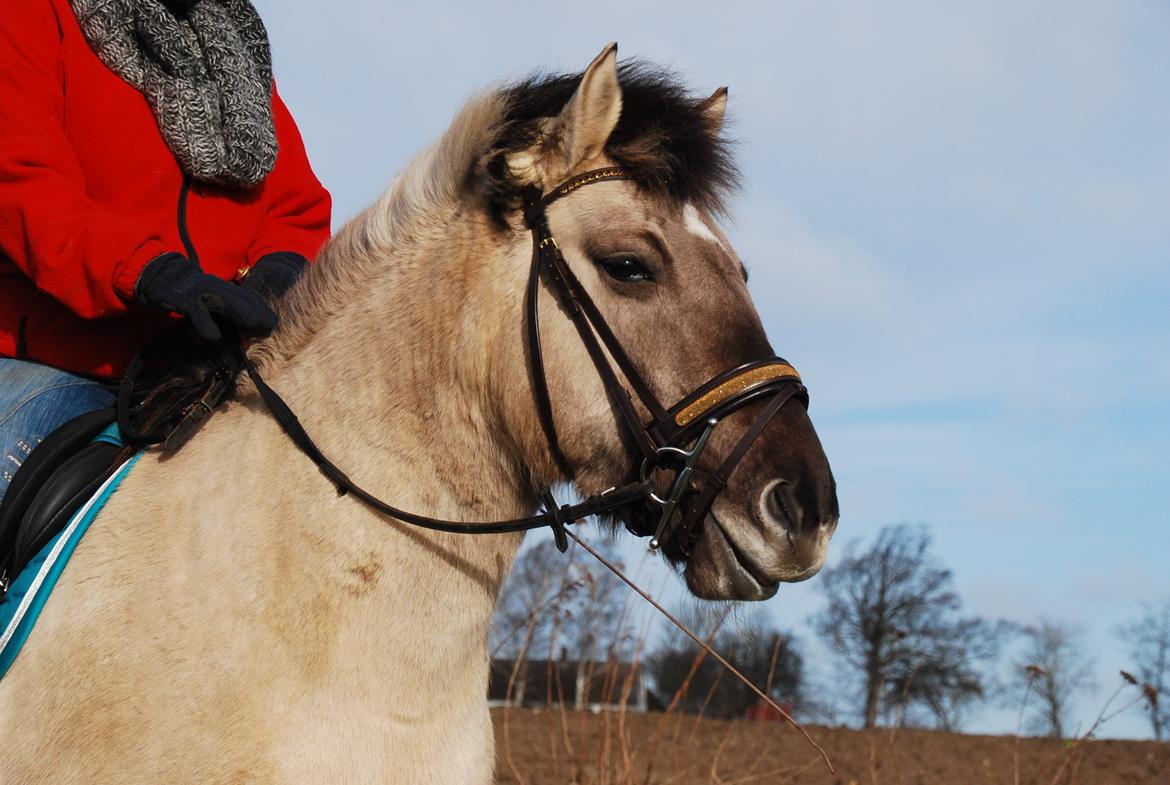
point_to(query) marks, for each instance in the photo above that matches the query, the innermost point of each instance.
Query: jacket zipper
(184, 233)
(21, 341)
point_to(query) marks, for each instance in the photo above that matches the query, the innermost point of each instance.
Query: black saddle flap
(67, 489)
(39, 470)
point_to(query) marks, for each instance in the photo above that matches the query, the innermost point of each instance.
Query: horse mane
(662, 138)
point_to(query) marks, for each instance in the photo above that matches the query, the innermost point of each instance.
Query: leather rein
(673, 441)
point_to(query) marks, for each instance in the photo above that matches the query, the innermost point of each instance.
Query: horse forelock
(663, 137)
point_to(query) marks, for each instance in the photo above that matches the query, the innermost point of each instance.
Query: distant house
(575, 684)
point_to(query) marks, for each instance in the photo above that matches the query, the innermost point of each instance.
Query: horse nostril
(781, 506)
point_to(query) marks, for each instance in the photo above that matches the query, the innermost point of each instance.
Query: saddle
(165, 396)
(60, 475)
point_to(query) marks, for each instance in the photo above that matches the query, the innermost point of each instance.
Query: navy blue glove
(274, 274)
(175, 283)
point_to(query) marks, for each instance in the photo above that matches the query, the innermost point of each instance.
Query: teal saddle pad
(28, 593)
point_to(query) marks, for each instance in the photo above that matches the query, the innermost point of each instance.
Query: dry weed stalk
(508, 697)
(760, 731)
(872, 757)
(723, 661)
(643, 637)
(1033, 672)
(617, 762)
(1071, 756)
(899, 717)
(611, 685)
(702, 714)
(627, 688)
(567, 586)
(680, 693)
(719, 754)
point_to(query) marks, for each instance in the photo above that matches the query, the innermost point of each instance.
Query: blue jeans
(34, 400)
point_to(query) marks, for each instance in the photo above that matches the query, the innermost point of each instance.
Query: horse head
(667, 281)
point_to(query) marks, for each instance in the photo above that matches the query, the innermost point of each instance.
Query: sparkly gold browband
(737, 385)
(609, 173)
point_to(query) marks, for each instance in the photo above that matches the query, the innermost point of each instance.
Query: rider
(148, 171)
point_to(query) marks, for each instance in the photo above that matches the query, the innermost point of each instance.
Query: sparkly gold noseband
(740, 384)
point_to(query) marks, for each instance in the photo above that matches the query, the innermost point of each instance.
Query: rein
(553, 516)
(705, 646)
(673, 441)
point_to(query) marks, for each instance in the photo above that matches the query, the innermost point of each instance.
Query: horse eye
(626, 267)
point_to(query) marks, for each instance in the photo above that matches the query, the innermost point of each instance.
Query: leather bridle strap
(553, 516)
(617, 351)
(714, 483)
(588, 321)
(536, 364)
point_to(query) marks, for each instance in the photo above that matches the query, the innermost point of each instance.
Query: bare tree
(596, 628)
(552, 600)
(893, 619)
(1148, 641)
(1053, 667)
(538, 585)
(768, 657)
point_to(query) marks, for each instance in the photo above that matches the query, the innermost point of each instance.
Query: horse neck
(393, 387)
(400, 376)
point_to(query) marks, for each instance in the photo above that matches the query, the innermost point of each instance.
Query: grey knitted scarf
(206, 72)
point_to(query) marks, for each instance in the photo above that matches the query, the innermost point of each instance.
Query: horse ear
(713, 109)
(592, 113)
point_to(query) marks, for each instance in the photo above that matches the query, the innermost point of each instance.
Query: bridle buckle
(681, 484)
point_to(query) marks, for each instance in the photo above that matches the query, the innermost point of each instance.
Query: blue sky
(955, 216)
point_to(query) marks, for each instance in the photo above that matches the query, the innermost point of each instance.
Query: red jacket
(89, 193)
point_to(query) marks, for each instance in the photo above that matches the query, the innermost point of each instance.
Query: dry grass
(554, 745)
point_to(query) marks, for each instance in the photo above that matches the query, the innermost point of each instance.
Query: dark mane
(662, 137)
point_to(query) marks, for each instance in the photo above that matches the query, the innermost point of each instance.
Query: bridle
(664, 442)
(673, 441)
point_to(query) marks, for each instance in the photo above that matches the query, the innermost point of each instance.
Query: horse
(231, 619)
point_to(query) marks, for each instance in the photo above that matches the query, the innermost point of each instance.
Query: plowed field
(539, 747)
